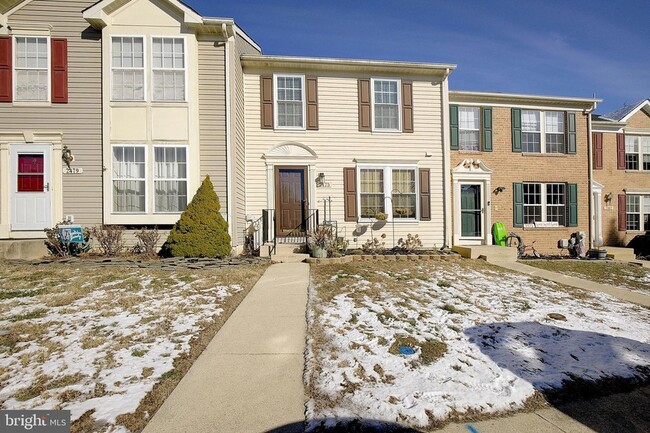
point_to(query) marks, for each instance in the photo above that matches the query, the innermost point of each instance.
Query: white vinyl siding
(168, 69)
(469, 125)
(127, 68)
(129, 179)
(386, 105)
(32, 69)
(290, 101)
(170, 179)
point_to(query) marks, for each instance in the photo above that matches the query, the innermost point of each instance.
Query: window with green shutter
(516, 130)
(518, 204)
(453, 124)
(487, 129)
(573, 204)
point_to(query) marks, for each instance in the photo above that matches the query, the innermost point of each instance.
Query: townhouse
(521, 160)
(361, 141)
(621, 174)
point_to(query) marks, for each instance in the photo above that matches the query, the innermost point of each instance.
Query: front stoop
(289, 253)
(23, 249)
(620, 253)
(489, 253)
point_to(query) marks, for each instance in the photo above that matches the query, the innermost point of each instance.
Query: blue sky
(550, 47)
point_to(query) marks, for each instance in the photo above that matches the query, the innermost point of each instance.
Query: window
(129, 179)
(544, 203)
(386, 105)
(127, 64)
(469, 126)
(376, 183)
(168, 69)
(32, 69)
(170, 178)
(290, 101)
(542, 132)
(637, 210)
(637, 152)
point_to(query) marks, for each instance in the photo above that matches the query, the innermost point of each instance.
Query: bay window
(32, 60)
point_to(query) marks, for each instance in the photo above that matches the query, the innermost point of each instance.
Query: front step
(285, 252)
(289, 258)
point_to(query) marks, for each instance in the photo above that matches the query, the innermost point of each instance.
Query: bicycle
(523, 250)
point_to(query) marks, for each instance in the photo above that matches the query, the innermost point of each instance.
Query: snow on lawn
(483, 340)
(100, 340)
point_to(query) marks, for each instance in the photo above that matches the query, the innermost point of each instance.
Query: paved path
(624, 294)
(250, 377)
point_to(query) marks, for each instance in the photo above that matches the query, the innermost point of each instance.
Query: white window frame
(152, 69)
(399, 104)
(144, 68)
(639, 153)
(544, 202)
(460, 129)
(542, 131)
(275, 102)
(146, 179)
(644, 200)
(154, 178)
(14, 77)
(388, 190)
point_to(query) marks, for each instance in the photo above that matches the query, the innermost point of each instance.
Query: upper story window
(543, 131)
(469, 125)
(637, 211)
(637, 152)
(290, 101)
(127, 68)
(168, 69)
(386, 105)
(32, 69)
(554, 122)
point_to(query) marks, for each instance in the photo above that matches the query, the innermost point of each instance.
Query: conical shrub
(201, 231)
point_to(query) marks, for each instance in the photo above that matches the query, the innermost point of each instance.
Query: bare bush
(109, 238)
(147, 242)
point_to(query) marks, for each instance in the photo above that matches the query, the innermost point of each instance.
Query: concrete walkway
(624, 294)
(250, 377)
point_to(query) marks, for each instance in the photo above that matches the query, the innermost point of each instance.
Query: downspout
(592, 222)
(228, 141)
(446, 161)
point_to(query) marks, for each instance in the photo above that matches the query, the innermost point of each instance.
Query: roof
(8, 5)
(625, 112)
(519, 98)
(348, 65)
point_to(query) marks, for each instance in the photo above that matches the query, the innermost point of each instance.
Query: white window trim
(399, 104)
(480, 126)
(388, 182)
(639, 153)
(544, 203)
(144, 68)
(49, 69)
(154, 178)
(275, 103)
(640, 213)
(542, 132)
(146, 180)
(185, 70)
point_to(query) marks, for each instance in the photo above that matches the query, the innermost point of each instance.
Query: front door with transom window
(31, 198)
(290, 199)
(471, 211)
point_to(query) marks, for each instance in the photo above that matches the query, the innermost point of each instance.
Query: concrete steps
(620, 253)
(23, 249)
(286, 253)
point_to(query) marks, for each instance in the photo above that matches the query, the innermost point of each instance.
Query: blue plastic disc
(405, 350)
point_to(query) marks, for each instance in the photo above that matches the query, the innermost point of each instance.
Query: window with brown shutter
(598, 150)
(266, 101)
(365, 122)
(622, 213)
(407, 106)
(6, 75)
(59, 71)
(620, 151)
(425, 194)
(350, 193)
(312, 102)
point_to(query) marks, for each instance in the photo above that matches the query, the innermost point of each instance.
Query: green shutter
(516, 130)
(487, 129)
(518, 204)
(453, 123)
(573, 204)
(571, 133)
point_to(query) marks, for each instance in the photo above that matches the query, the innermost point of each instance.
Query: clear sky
(550, 47)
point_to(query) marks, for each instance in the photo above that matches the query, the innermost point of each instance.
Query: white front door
(31, 199)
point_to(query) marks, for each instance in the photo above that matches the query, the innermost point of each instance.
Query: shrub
(322, 237)
(410, 244)
(147, 242)
(201, 231)
(64, 249)
(109, 238)
(374, 245)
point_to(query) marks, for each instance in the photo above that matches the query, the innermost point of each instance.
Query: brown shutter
(59, 71)
(6, 57)
(364, 106)
(266, 101)
(598, 150)
(425, 195)
(407, 106)
(350, 193)
(312, 103)
(622, 209)
(620, 151)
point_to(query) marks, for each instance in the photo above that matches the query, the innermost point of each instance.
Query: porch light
(320, 180)
(499, 189)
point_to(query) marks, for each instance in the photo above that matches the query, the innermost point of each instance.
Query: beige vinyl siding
(212, 117)
(338, 143)
(80, 119)
(238, 137)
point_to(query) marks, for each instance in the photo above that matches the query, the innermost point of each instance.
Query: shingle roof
(619, 114)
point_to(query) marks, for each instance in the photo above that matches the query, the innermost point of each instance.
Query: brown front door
(290, 199)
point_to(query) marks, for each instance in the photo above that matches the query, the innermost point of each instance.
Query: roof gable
(98, 13)
(623, 114)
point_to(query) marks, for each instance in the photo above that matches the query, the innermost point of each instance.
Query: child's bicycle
(523, 251)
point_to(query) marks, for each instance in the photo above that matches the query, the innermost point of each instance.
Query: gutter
(590, 171)
(446, 164)
(229, 183)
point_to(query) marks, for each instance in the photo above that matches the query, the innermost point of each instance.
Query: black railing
(253, 237)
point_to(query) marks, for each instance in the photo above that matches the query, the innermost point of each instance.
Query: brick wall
(509, 167)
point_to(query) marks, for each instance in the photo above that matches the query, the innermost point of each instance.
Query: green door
(471, 213)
